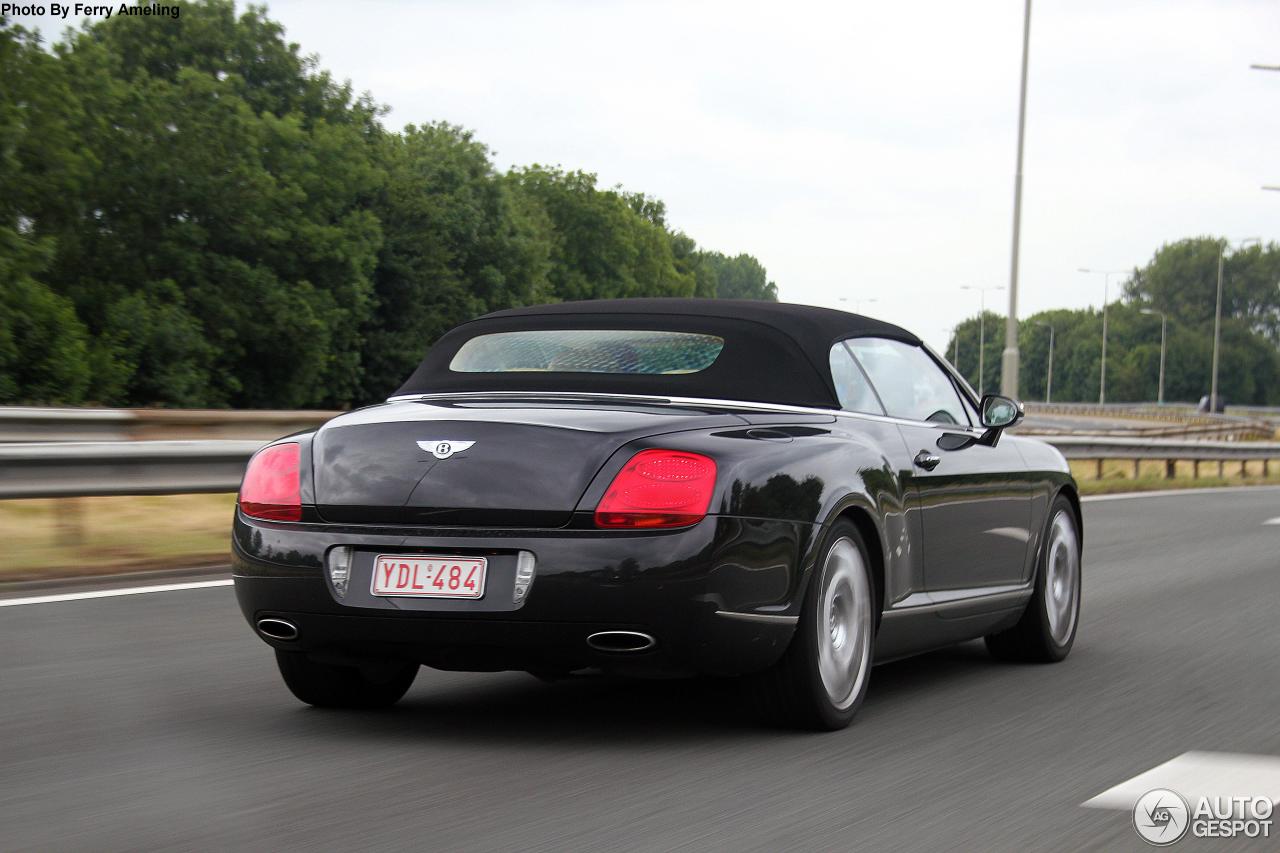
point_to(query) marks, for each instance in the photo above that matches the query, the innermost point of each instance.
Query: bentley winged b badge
(444, 449)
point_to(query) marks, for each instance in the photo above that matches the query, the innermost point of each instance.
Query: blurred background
(221, 223)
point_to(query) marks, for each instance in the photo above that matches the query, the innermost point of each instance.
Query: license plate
(429, 577)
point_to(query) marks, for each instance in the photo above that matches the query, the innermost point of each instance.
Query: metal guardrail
(1145, 411)
(84, 469)
(1111, 447)
(1182, 419)
(1200, 432)
(36, 423)
(1169, 450)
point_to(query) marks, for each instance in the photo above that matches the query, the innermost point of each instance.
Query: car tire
(822, 677)
(1047, 629)
(325, 685)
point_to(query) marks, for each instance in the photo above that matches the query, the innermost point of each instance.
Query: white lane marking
(1272, 521)
(112, 593)
(1168, 493)
(1199, 774)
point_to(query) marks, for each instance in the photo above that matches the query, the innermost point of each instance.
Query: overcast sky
(859, 150)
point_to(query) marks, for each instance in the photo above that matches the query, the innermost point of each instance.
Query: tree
(739, 277)
(992, 336)
(601, 247)
(1182, 277)
(194, 213)
(1181, 281)
(222, 250)
(43, 345)
(457, 244)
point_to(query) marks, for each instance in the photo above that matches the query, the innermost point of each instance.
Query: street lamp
(1106, 287)
(1164, 322)
(982, 326)
(955, 352)
(1048, 382)
(1217, 317)
(1009, 359)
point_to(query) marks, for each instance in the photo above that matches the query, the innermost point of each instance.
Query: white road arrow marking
(1199, 774)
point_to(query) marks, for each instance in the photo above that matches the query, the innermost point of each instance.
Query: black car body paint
(953, 550)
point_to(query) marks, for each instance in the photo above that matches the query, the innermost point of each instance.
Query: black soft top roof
(774, 352)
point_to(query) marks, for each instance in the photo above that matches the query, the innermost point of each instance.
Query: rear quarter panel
(805, 470)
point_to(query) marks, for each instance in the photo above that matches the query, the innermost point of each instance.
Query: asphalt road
(158, 722)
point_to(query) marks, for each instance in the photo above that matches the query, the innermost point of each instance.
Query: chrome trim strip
(754, 406)
(977, 593)
(643, 642)
(765, 618)
(996, 601)
(277, 629)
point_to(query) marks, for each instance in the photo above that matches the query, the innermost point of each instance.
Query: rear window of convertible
(588, 351)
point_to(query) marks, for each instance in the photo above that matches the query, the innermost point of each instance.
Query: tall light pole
(1164, 322)
(955, 353)
(1106, 289)
(1048, 381)
(982, 327)
(1217, 317)
(1009, 359)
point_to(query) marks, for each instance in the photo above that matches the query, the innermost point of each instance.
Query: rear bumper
(720, 597)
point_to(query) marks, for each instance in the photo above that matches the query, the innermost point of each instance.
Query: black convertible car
(660, 487)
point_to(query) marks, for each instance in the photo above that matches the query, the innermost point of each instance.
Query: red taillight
(659, 488)
(271, 488)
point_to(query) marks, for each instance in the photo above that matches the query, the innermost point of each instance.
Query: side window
(909, 382)
(851, 385)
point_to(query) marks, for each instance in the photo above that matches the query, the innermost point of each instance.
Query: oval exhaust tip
(277, 629)
(621, 642)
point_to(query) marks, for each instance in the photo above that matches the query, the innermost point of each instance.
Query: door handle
(926, 460)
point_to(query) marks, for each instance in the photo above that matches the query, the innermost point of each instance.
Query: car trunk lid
(478, 463)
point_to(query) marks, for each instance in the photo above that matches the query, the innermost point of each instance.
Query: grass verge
(1159, 484)
(1118, 476)
(69, 537)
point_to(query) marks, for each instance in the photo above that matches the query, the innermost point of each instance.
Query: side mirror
(998, 414)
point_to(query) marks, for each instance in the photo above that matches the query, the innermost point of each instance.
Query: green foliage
(603, 244)
(43, 346)
(193, 213)
(1181, 281)
(739, 277)
(222, 246)
(991, 333)
(457, 242)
